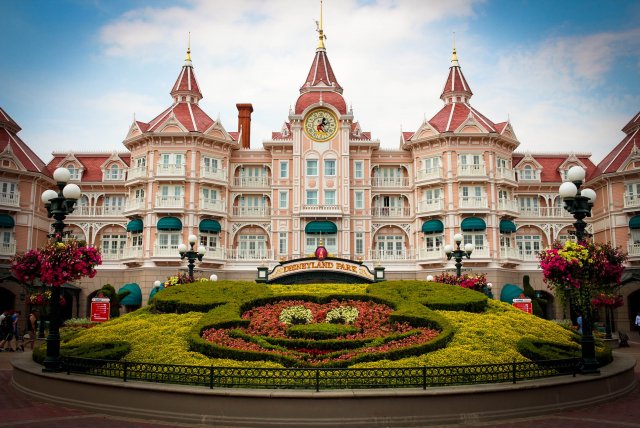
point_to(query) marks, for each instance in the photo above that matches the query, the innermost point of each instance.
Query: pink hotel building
(319, 177)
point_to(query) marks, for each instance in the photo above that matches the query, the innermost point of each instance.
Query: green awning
(321, 227)
(510, 292)
(634, 223)
(134, 298)
(432, 226)
(473, 224)
(507, 226)
(135, 226)
(154, 290)
(169, 223)
(6, 221)
(209, 226)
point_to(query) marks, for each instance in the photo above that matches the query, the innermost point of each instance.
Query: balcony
(510, 253)
(480, 252)
(251, 211)
(390, 212)
(138, 172)
(135, 205)
(430, 254)
(10, 199)
(631, 201)
(132, 253)
(8, 248)
(429, 174)
(529, 255)
(170, 170)
(111, 254)
(392, 255)
(164, 201)
(508, 205)
(216, 205)
(505, 174)
(390, 182)
(213, 173)
(633, 249)
(249, 255)
(546, 212)
(472, 170)
(166, 250)
(99, 211)
(473, 202)
(321, 210)
(252, 182)
(430, 206)
(214, 253)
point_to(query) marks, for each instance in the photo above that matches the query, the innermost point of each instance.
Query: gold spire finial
(321, 35)
(454, 55)
(188, 57)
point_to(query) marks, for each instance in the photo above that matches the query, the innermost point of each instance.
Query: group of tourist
(11, 338)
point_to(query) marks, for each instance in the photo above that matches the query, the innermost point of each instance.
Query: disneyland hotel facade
(320, 177)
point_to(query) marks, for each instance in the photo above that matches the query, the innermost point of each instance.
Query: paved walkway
(19, 410)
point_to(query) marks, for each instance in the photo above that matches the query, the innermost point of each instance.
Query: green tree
(110, 293)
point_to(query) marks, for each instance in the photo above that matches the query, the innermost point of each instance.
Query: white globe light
(448, 248)
(182, 248)
(47, 195)
(429, 277)
(589, 193)
(202, 249)
(568, 190)
(157, 283)
(213, 277)
(61, 175)
(489, 285)
(469, 247)
(71, 191)
(193, 239)
(576, 173)
(458, 237)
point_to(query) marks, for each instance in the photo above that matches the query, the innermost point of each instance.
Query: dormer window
(528, 173)
(114, 172)
(75, 172)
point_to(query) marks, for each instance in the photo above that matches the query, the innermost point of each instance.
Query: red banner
(524, 305)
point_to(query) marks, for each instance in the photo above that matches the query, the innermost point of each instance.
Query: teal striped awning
(634, 223)
(135, 226)
(510, 292)
(134, 298)
(473, 224)
(507, 226)
(169, 223)
(209, 226)
(432, 226)
(321, 227)
(6, 221)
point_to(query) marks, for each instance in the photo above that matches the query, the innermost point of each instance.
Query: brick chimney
(244, 123)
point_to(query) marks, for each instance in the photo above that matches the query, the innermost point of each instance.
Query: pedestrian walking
(638, 322)
(30, 336)
(6, 327)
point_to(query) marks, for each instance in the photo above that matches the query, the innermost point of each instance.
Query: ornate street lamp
(58, 204)
(579, 203)
(488, 290)
(192, 255)
(460, 253)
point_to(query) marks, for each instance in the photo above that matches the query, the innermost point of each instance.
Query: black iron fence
(321, 378)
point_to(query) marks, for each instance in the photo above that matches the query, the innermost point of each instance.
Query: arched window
(74, 171)
(113, 173)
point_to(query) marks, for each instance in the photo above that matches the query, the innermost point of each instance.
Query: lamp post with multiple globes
(191, 255)
(459, 253)
(58, 204)
(578, 202)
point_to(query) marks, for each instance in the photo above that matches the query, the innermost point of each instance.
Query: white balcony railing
(429, 174)
(390, 182)
(213, 173)
(100, 211)
(114, 176)
(10, 198)
(480, 252)
(473, 202)
(508, 205)
(471, 170)
(170, 170)
(390, 212)
(430, 205)
(400, 254)
(132, 253)
(215, 253)
(543, 212)
(137, 172)
(249, 255)
(252, 182)
(166, 250)
(321, 209)
(111, 254)
(631, 201)
(134, 204)
(430, 254)
(505, 174)
(8, 248)
(251, 211)
(212, 204)
(633, 249)
(529, 255)
(165, 201)
(510, 253)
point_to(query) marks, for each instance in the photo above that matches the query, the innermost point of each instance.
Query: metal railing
(390, 212)
(251, 182)
(321, 378)
(99, 211)
(263, 211)
(403, 254)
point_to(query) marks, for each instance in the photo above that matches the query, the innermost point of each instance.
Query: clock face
(321, 125)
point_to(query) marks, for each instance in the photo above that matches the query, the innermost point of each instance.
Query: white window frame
(311, 197)
(283, 243)
(359, 243)
(312, 167)
(284, 169)
(330, 197)
(358, 199)
(283, 199)
(330, 167)
(358, 169)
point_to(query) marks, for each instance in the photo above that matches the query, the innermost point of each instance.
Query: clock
(321, 125)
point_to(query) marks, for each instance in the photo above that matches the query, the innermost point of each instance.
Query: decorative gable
(632, 163)
(571, 160)
(425, 130)
(471, 126)
(216, 130)
(8, 160)
(134, 130)
(508, 132)
(73, 164)
(172, 124)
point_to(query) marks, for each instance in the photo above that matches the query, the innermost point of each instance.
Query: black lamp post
(579, 203)
(459, 253)
(191, 254)
(58, 204)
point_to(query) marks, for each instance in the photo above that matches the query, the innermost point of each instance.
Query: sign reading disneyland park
(320, 268)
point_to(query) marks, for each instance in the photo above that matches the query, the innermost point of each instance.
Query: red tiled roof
(280, 136)
(456, 83)
(616, 157)
(25, 155)
(91, 163)
(551, 163)
(190, 115)
(7, 121)
(451, 116)
(407, 135)
(321, 73)
(500, 126)
(333, 98)
(234, 135)
(632, 124)
(186, 83)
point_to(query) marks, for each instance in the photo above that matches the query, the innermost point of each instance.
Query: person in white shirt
(638, 322)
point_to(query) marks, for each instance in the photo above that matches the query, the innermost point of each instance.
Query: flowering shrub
(43, 299)
(607, 300)
(295, 315)
(342, 315)
(182, 278)
(57, 263)
(474, 281)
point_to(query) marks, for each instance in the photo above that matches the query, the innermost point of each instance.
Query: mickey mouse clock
(321, 125)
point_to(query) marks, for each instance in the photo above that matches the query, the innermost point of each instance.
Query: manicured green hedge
(539, 350)
(96, 350)
(320, 331)
(205, 295)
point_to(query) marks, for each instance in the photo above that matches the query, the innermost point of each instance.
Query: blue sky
(565, 73)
